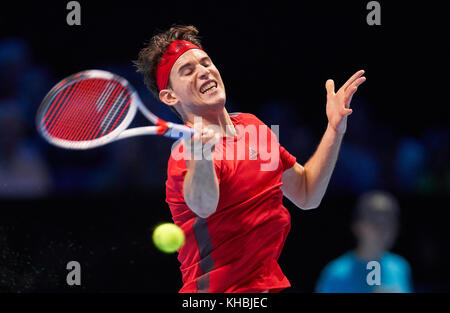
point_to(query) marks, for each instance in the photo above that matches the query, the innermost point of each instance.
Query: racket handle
(177, 131)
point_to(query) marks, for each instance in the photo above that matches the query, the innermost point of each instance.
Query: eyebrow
(190, 64)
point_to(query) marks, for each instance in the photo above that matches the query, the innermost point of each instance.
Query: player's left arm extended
(305, 185)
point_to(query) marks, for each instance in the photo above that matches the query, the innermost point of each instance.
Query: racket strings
(82, 113)
(116, 101)
(58, 109)
(85, 110)
(64, 125)
(82, 129)
(113, 114)
(93, 121)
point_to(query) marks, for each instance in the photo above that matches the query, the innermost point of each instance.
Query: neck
(220, 119)
(368, 253)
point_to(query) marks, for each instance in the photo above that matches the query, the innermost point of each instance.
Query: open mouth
(208, 87)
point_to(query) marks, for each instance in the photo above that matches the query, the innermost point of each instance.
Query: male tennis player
(229, 208)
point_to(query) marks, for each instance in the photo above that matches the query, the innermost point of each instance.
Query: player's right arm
(201, 186)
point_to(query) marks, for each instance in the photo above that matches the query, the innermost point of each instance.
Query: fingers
(329, 85)
(358, 82)
(352, 79)
(202, 143)
(206, 134)
(209, 135)
(349, 95)
(352, 89)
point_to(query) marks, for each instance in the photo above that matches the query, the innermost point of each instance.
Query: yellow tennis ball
(168, 237)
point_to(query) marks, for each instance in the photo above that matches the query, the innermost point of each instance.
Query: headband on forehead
(168, 59)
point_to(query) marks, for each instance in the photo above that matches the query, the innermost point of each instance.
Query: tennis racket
(93, 108)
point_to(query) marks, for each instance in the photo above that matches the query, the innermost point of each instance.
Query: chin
(218, 100)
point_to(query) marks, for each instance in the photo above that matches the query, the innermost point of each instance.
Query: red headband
(170, 55)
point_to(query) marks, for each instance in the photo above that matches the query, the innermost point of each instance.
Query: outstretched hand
(338, 104)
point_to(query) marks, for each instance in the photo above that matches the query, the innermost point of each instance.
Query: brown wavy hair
(150, 55)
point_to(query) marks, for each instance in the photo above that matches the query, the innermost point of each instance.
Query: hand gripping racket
(93, 108)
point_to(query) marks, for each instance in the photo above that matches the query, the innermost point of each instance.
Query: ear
(168, 97)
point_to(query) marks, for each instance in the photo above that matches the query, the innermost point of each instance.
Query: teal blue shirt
(348, 274)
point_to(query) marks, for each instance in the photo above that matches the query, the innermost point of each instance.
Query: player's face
(197, 82)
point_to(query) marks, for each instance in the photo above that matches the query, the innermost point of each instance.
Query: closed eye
(188, 72)
(188, 68)
(206, 62)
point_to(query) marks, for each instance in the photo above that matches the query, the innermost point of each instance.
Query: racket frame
(162, 127)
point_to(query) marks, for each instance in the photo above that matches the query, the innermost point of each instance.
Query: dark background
(99, 207)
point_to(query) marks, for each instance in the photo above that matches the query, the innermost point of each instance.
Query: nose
(204, 72)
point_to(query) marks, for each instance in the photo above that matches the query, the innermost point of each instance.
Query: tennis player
(230, 208)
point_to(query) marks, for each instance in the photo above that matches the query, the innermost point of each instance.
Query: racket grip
(177, 131)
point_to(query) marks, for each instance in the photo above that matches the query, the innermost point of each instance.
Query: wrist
(335, 131)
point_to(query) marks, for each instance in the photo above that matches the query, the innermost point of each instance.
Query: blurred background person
(375, 226)
(24, 172)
